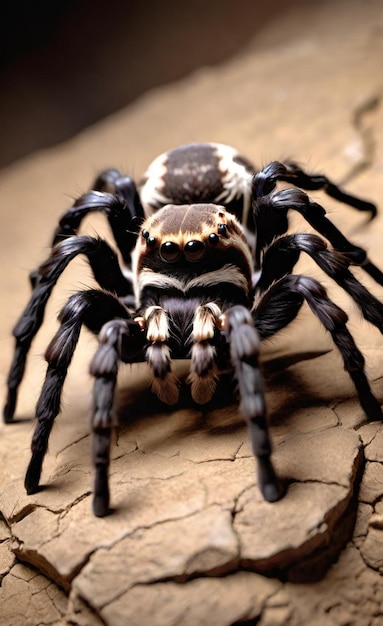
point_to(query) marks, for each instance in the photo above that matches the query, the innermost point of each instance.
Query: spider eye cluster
(193, 250)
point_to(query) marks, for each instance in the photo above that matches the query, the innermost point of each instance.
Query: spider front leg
(90, 308)
(270, 216)
(244, 343)
(107, 272)
(117, 342)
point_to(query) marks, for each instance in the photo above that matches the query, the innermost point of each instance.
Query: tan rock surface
(191, 541)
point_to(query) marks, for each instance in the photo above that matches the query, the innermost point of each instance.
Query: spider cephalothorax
(191, 262)
(190, 243)
(208, 274)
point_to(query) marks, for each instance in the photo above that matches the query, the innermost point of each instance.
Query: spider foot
(368, 402)
(101, 492)
(269, 484)
(10, 406)
(32, 476)
(371, 407)
(101, 506)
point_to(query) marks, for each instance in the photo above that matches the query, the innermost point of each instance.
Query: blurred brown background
(65, 65)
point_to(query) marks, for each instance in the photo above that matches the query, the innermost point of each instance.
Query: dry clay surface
(190, 541)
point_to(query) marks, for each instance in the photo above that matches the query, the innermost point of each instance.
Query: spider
(206, 275)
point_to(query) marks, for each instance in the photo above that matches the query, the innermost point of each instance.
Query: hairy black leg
(280, 258)
(315, 215)
(123, 187)
(114, 339)
(117, 197)
(294, 290)
(91, 308)
(265, 182)
(124, 228)
(334, 320)
(107, 272)
(244, 349)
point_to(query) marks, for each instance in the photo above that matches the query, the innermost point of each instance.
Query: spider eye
(213, 239)
(150, 241)
(194, 250)
(169, 251)
(222, 229)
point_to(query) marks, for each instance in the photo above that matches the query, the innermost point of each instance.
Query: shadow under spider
(221, 415)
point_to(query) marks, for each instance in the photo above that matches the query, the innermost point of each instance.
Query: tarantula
(206, 276)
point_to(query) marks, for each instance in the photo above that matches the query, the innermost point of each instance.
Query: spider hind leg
(282, 255)
(290, 172)
(278, 306)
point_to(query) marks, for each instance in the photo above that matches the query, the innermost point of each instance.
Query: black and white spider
(207, 276)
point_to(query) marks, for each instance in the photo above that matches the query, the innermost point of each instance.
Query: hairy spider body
(208, 275)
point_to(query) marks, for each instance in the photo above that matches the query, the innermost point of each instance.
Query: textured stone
(256, 523)
(370, 489)
(372, 549)
(374, 449)
(219, 602)
(27, 598)
(7, 558)
(209, 546)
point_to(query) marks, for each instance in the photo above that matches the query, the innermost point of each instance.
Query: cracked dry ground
(190, 541)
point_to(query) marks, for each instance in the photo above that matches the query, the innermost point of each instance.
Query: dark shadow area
(66, 65)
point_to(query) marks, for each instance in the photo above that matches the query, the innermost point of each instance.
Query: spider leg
(107, 272)
(93, 309)
(280, 304)
(281, 256)
(121, 205)
(117, 197)
(265, 182)
(244, 344)
(115, 338)
(270, 214)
